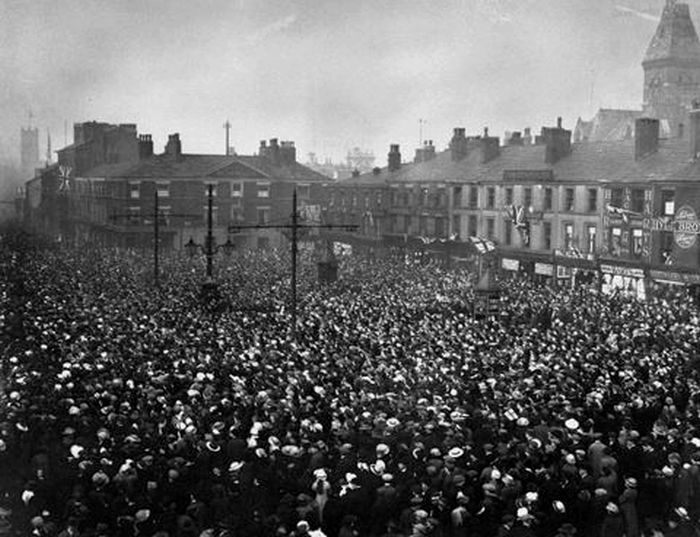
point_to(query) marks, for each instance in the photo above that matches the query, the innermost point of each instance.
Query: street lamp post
(295, 226)
(210, 236)
(210, 248)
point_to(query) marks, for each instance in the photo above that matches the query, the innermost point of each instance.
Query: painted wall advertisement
(686, 227)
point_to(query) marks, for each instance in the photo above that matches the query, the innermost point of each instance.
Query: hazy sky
(328, 74)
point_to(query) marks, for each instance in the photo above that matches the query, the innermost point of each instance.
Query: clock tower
(672, 70)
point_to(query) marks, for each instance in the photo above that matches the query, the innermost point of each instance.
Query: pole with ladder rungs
(156, 232)
(294, 226)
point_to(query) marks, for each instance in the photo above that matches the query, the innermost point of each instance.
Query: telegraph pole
(156, 213)
(295, 226)
(209, 247)
(227, 126)
(421, 122)
(295, 223)
(156, 233)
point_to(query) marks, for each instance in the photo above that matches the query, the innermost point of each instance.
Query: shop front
(622, 279)
(574, 270)
(544, 272)
(669, 282)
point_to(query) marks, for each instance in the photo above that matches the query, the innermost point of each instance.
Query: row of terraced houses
(617, 197)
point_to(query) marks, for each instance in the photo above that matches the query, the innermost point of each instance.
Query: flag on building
(624, 213)
(64, 178)
(575, 252)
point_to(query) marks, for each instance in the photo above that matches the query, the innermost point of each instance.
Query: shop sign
(510, 264)
(675, 277)
(622, 271)
(687, 227)
(544, 268)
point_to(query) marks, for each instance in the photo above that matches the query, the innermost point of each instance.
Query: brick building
(104, 188)
(554, 208)
(606, 205)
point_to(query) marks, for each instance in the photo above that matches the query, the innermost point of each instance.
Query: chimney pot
(145, 146)
(459, 144)
(174, 146)
(486, 132)
(394, 158)
(557, 143)
(490, 148)
(287, 153)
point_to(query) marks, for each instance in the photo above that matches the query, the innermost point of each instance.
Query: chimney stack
(458, 144)
(288, 153)
(646, 137)
(145, 146)
(425, 153)
(527, 136)
(278, 154)
(490, 147)
(694, 130)
(174, 146)
(515, 138)
(394, 158)
(557, 141)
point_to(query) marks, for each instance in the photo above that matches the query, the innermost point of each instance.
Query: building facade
(109, 187)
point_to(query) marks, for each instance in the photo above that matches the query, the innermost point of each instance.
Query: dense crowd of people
(127, 410)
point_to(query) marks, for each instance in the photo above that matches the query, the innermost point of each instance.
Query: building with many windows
(109, 186)
(620, 201)
(553, 208)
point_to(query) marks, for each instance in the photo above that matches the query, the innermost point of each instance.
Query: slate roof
(675, 37)
(588, 162)
(192, 166)
(609, 125)
(374, 179)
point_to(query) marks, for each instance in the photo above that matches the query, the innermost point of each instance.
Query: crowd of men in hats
(132, 411)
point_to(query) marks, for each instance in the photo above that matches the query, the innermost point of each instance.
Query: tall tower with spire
(672, 69)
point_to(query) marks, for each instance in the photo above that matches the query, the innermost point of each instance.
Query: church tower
(672, 69)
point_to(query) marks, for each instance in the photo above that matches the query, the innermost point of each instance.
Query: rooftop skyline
(329, 76)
